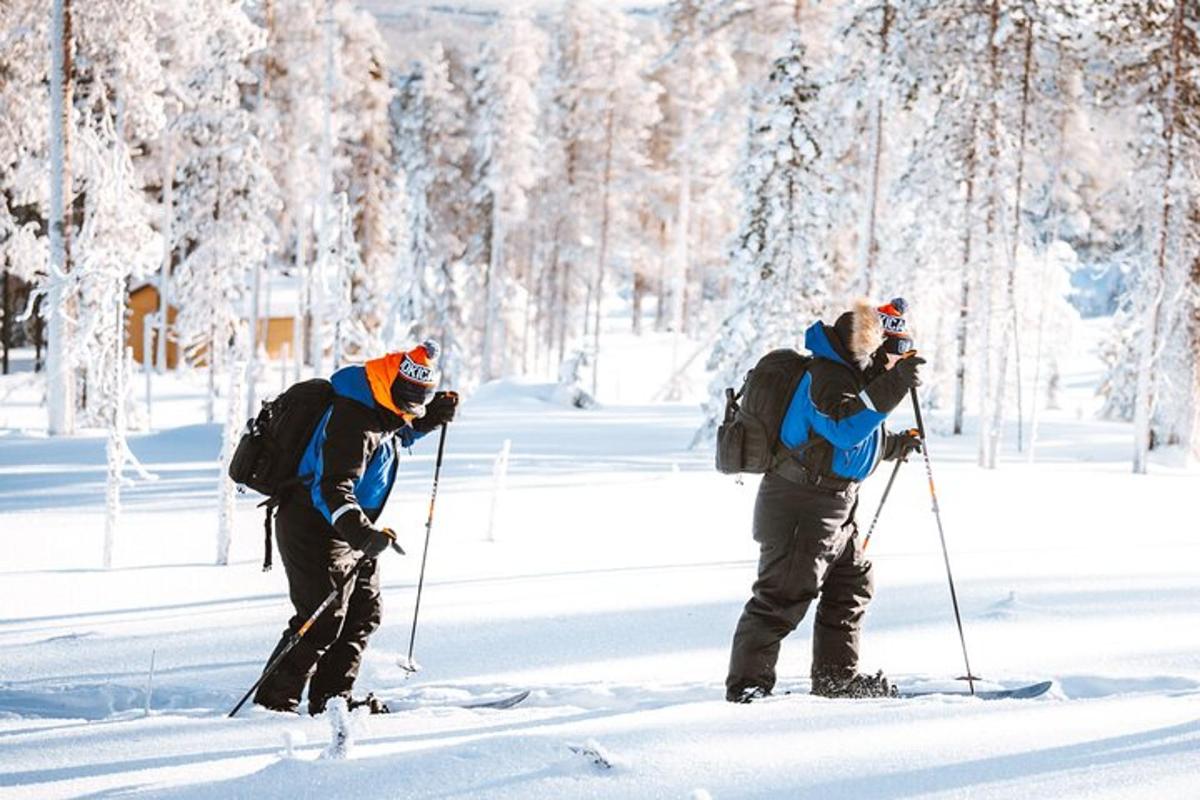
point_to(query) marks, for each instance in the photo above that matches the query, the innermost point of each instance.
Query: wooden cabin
(276, 325)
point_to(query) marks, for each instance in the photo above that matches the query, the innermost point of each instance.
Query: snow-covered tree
(432, 145)
(1156, 50)
(226, 196)
(370, 186)
(60, 379)
(705, 125)
(609, 110)
(780, 260)
(507, 164)
(225, 206)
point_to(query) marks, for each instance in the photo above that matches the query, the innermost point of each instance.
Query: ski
(1019, 693)
(503, 702)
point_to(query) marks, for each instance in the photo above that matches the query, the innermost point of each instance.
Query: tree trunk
(164, 273)
(531, 285)
(660, 309)
(39, 337)
(639, 296)
(602, 256)
(227, 492)
(60, 377)
(564, 306)
(1012, 325)
(870, 245)
(1034, 413)
(116, 444)
(492, 335)
(1143, 414)
(987, 433)
(318, 286)
(683, 222)
(1194, 428)
(6, 333)
(964, 308)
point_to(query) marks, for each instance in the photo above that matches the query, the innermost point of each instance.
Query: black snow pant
(328, 657)
(808, 549)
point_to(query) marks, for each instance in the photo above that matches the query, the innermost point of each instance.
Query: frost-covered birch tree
(60, 300)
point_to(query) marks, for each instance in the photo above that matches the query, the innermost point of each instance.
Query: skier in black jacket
(322, 528)
(804, 513)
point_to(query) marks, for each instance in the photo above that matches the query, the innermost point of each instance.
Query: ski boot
(372, 702)
(830, 683)
(747, 694)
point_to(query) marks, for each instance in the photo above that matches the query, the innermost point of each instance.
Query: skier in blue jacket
(804, 515)
(325, 526)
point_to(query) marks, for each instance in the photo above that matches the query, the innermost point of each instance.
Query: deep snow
(619, 564)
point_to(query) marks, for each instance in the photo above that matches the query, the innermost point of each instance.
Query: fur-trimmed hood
(860, 331)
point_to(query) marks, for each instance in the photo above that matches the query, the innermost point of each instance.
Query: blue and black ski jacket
(838, 412)
(352, 456)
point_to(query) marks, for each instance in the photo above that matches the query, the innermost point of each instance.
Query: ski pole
(970, 677)
(408, 664)
(886, 491)
(299, 634)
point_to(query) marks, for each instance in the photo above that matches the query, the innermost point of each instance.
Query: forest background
(501, 177)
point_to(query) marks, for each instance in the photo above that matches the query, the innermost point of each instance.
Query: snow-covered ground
(606, 577)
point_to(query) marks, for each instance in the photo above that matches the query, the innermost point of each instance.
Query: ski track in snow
(619, 565)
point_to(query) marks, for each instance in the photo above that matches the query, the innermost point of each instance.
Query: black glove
(378, 540)
(438, 411)
(906, 371)
(905, 443)
(889, 389)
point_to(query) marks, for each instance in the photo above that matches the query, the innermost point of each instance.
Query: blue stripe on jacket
(857, 439)
(372, 489)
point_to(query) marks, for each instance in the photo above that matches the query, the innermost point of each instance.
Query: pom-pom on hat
(897, 340)
(401, 382)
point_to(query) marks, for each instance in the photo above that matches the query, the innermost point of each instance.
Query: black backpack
(748, 438)
(269, 452)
